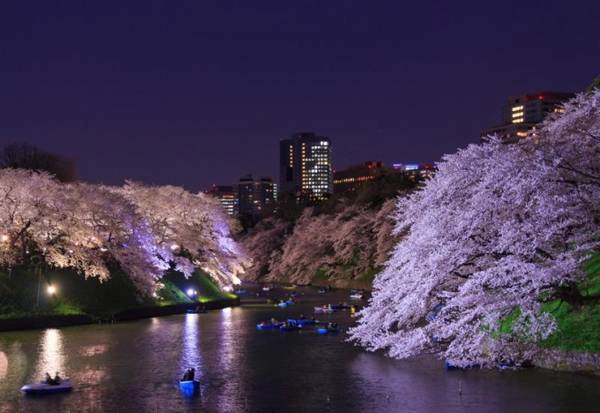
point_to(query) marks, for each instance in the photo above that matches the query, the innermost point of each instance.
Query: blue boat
(326, 330)
(268, 326)
(45, 388)
(302, 322)
(189, 388)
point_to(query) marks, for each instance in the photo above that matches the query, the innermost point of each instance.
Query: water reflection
(190, 352)
(3, 365)
(51, 353)
(232, 341)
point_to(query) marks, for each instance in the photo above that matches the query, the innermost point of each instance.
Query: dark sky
(200, 92)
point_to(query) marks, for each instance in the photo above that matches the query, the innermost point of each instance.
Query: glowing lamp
(3, 237)
(228, 288)
(191, 292)
(51, 290)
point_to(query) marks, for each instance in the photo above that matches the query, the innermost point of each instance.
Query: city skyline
(193, 95)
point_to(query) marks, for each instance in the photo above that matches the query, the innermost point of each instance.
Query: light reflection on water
(232, 346)
(134, 367)
(3, 365)
(191, 354)
(51, 354)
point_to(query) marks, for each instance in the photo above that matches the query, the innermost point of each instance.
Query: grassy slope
(76, 295)
(578, 328)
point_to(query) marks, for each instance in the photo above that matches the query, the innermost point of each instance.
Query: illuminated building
(256, 196)
(349, 179)
(520, 114)
(227, 195)
(305, 166)
(415, 170)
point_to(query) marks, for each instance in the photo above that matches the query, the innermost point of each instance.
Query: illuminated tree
(499, 229)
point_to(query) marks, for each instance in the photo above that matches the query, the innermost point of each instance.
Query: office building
(415, 170)
(305, 167)
(351, 178)
(227, 196)
(256, 197)
(521, 114)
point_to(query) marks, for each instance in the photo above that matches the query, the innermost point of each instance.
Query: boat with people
(188, 385)
(303, 321)
(357, 295)
(269, 325)
(285, 304)
(48, 386)
(328, 329)
(324, 309)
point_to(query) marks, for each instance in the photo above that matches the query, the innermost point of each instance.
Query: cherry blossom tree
(343, 245)
(499, 229)
(89, 228)
(191, 230)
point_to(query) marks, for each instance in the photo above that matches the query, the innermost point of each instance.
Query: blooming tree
(498, 230)
(191, 230)
(87, 227)
(342, 245)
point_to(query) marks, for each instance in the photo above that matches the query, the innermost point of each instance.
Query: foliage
(95, 230)
(499, 226)
(25, 156)
(343, 245)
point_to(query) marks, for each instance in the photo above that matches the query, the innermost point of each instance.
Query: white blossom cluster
(498, 230)
(143, 229)
(342, 246)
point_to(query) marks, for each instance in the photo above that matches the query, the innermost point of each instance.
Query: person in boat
(49, 380)
(192, 374)
(186, 375)
(57, 378)
(274, 321)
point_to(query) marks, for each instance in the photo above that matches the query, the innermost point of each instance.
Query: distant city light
(191, 292)
(3, 238)
(228, 288)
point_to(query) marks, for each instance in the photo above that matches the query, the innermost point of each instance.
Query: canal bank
(68, 320)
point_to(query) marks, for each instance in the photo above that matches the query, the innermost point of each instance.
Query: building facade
(305, 168)
(521, 114)
(227, 196)
(256, 197)
(415, 170)
(351, 178)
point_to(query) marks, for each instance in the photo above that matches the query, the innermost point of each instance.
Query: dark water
(134, 367)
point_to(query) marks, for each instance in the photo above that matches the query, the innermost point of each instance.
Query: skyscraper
(521, 113)
(305, 166)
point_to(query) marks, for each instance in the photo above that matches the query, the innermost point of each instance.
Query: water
(134, 367)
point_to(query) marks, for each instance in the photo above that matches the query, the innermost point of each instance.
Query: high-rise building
(305, 166)
(227, 195)
(521, 113)
(351, 178)
(256, 196)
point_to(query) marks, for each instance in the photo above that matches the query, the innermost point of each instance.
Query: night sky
(196, 92)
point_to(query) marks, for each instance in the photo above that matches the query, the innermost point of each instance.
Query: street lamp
(51, 290)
